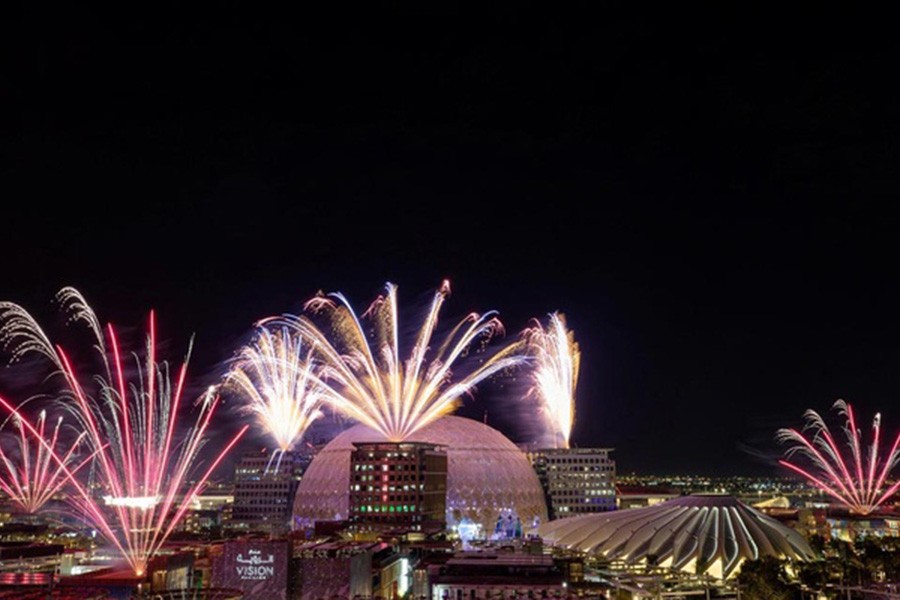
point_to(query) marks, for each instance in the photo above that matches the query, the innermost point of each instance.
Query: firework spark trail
(366, 378)
(34, 474)
(131, 428)
(555, 375)
(276, 376)
(849, 476)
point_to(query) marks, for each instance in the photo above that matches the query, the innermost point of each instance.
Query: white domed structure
(702, 534)
(487, 475)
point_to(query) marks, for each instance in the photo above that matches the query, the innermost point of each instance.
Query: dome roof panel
(705, 533)
(486, 475)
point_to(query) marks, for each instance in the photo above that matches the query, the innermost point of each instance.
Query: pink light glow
(132, 428)
(34, 474)
(863, 492)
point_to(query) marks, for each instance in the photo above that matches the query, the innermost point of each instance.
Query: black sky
(711, 199)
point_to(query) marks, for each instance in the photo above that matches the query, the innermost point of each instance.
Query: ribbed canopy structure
(487, 475)
(702, 534)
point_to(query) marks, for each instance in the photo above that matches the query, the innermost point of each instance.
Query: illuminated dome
(486, 475)
(698, 534)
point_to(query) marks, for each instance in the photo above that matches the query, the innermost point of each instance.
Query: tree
(765, 579)
(815, 574)
(818, 544)
(844, 560)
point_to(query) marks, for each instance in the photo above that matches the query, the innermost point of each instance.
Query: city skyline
(421, 301)
(704, 212)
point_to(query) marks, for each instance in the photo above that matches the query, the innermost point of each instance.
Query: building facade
(576, 481)
(398, 486)
(342, 569)
(264, 491)
(489, 575)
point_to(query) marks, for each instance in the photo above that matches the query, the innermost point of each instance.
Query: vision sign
(255, 567)
(259, 569)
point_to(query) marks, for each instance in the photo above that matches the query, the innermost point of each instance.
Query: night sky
(714, 208)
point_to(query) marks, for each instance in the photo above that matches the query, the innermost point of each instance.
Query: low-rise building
(348, 570)
(493, 574)
(639, 496)
(261, 569)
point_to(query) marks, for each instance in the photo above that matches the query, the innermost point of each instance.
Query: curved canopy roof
(700, 534)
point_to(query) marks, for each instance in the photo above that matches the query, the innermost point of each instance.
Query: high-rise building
(576, 480)
(264, 491)
(398, 486)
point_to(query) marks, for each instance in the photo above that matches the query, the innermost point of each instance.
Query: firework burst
(555, 373)
(364, 375)
(276, 376)
(852, 474)
(130, 425)
(31, 473)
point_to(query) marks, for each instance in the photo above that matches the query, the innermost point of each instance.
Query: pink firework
(132, 425)
(35, 470)
(853, 475)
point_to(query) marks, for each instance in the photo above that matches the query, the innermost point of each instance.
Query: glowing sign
(139, 502)
(255, 567)
(258, 569)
